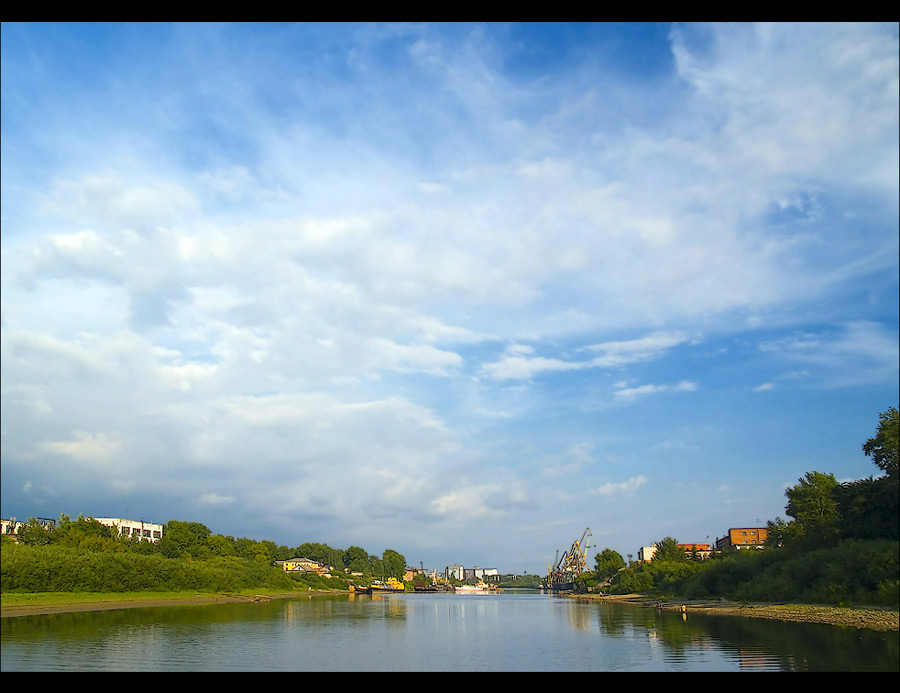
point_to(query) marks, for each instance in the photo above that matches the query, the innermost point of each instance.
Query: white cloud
(513, 366)
(625, 488)
(98, 449)
(328, 292)
(630, 393)
(216, 500)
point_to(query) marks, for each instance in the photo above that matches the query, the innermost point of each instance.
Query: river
(427, 632)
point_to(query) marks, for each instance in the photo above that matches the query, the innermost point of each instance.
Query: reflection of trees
(330, 607)
(802, 646)
(753, 642)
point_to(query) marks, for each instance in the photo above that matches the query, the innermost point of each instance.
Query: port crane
(561, 575)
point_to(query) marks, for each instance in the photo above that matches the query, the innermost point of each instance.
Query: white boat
(480, 588)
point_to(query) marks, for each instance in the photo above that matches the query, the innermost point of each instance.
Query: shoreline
(871, 618)
(79, 602)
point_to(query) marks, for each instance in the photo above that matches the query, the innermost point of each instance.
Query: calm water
(431, 632)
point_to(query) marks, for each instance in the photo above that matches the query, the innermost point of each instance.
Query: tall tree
(355, 559)
(813, 504)
(607, 563)
(883, 446)
(668, 550)
(394, 563)
(185, 539)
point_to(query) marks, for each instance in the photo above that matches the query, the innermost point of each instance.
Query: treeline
(83, 555)
(839, 546)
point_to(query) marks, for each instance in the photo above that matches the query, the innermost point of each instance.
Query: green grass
(57, 598)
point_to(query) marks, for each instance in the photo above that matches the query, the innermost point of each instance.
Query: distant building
(10, 528)
(483, 574)
(645, 553)
(303, 565)
(137, 529)
(455, 572)
(743, 538)
(701, 551)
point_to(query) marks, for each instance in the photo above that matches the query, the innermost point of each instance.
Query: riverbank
(869, 618)
(30, 604)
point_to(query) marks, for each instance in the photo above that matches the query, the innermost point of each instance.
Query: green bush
(65, 569)
(853, 572)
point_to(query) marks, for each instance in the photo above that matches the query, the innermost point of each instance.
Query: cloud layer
(378, 284)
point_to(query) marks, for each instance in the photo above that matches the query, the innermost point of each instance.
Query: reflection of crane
(561, 575)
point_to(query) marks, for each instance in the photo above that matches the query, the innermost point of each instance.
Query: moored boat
(385, 586)
(480, 588)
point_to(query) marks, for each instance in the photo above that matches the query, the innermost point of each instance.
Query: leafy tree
(87, 533)
(782, 533)
(394, 563)
(869, 508)
(883, 446)
(321, 553)
(221, 545)
(185, 539)
(355, 559)
(34, 533)
(668, 550)
(607, 563)
(813, 504)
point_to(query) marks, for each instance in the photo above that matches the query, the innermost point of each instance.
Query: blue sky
(457, 290)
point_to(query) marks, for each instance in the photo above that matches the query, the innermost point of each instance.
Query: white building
(645, 553)
(11, 527)
(145, 531)
(456, 572)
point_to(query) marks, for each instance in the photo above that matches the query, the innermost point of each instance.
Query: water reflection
(756, 643)
(432, 632)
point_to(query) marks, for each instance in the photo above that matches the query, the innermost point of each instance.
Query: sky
(462, 291)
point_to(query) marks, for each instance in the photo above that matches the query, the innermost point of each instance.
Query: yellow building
(306, 565)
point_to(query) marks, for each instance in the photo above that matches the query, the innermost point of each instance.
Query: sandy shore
(870, 618)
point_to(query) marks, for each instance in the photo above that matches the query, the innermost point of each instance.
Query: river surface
(427, 632)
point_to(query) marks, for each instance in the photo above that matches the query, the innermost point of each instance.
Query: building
(137, 529)
(303, 565)
(743, 538)
(10, 528)
(483, 574)
(455, 572)
(645, 553)
(701, 551)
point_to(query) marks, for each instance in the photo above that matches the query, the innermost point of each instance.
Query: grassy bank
(28, 604)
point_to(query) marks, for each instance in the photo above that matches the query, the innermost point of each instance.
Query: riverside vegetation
(840, 547)
(83, 555)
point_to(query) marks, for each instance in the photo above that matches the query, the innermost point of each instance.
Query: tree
(869, 509)
(221, 545)
(883, 446)
(394, 564)
(813, 504)
(355, 559)
(87, 533)
(36, 533)
(668, 550)
(607, 563)
(782, 533)
(185, 539)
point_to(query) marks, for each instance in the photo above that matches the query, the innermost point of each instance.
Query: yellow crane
(561, 577)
